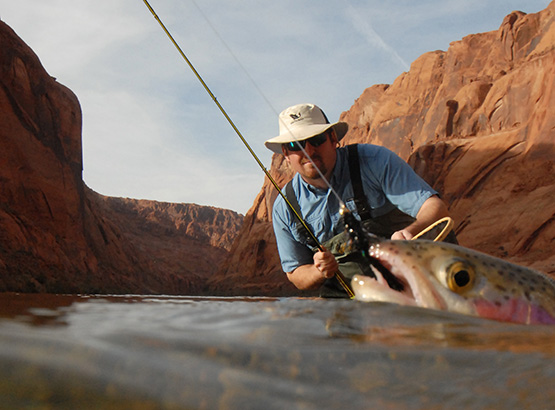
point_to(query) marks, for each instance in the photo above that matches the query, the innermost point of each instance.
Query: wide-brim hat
(301, 122)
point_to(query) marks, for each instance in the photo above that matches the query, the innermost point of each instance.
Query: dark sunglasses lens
(314, 141)
(295, 146)
(318, 139)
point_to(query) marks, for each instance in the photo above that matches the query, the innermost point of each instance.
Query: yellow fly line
(447, 221)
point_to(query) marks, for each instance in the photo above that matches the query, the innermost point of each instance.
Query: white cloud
(364, 27)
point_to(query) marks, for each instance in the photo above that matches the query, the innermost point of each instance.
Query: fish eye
(460, 276)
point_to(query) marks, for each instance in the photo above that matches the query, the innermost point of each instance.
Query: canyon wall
(57, 235)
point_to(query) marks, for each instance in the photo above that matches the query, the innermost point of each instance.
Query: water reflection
(412, 326)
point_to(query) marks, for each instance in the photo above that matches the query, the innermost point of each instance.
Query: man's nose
(309, 149)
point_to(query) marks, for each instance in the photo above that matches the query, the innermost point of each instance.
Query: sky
(151, 131)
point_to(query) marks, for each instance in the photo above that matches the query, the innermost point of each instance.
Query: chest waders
(351, 261)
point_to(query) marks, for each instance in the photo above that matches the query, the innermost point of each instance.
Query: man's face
(323, 156)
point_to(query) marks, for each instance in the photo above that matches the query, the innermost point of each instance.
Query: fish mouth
(383, 285)
(384, 270)
(395, 278)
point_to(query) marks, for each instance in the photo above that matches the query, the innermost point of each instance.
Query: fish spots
(501, 288)
(527, 295)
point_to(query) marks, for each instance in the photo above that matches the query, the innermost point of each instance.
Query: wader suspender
(359, 197)
(356, 181)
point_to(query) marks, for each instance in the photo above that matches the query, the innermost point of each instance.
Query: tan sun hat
(301, 122)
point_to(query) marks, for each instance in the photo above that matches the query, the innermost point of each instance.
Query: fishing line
(338, 275)
(261, 93)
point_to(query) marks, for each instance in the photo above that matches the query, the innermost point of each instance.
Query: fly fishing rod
(338, 275)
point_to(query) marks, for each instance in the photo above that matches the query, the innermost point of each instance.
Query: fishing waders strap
(360, 201)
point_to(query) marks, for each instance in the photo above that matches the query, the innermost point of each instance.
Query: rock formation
(56, 235)
(477, 122)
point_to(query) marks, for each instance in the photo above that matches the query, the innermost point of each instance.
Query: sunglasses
(315, 141)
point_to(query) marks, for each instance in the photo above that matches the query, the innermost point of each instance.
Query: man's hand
(431, 211)
(325, 262)
(312, 275)
(403, 234)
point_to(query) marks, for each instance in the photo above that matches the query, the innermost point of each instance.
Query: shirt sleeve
(398, 182)
(292, 253)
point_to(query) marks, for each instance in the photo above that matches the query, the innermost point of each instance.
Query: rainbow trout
(443, 276)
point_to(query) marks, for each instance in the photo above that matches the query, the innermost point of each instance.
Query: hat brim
(309, 131)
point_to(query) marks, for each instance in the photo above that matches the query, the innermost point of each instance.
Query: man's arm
(311, 276)
(431, 210)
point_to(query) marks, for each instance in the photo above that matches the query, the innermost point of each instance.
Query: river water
(165, 352)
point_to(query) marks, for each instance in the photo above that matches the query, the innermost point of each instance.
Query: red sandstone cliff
(56, 235)
(477, 122)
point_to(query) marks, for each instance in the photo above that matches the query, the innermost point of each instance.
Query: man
(396, 202)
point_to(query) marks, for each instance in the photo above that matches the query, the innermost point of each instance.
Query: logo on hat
(296, 117)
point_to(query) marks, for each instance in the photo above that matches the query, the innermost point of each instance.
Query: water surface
(150, 352)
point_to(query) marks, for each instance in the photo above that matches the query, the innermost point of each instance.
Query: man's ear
(334, 138)
(285, 153)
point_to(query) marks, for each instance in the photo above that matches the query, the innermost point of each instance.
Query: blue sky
(150, 131)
